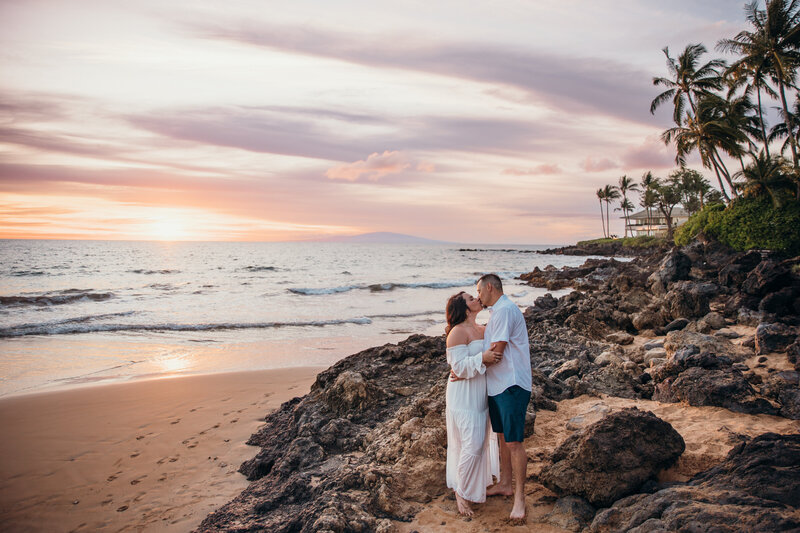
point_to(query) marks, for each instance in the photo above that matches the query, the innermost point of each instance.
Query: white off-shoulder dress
(472, 453)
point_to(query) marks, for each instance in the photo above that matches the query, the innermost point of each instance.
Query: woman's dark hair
(456, 311)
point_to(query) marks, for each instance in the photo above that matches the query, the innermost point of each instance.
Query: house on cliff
(653, 222)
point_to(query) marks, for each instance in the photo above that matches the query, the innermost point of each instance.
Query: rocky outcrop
(613, 457)
(366, 444)
(757, 488)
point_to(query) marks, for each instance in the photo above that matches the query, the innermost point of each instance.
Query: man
(509, 387)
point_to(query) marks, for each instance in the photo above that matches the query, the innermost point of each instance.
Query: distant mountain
(382, 237)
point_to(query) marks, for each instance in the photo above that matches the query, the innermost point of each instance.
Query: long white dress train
(472, 453)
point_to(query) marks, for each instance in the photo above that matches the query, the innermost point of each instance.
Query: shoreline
(158, 453)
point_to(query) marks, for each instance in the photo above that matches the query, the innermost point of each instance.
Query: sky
(473, 122)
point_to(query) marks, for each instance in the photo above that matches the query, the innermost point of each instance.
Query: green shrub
(697, 222)
(643, 241)
(746, 224)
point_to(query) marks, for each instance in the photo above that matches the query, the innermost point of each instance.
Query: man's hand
(492, 358)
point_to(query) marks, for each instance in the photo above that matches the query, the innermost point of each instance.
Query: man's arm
(499, 346)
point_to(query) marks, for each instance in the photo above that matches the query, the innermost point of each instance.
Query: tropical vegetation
(720, 110)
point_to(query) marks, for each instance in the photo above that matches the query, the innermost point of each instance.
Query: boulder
(613, 457)
(778, 303)
(721, 387)
(351, 392)
(769, 276)
(773, 337)
(676, 325)
(620, 337)
(726, 333)
(674, 267)
(757, 488)
(710, 322)
(608, 358)
(687, 300)
(676, 340)
(735, 272)
(545, 302)
(651, 317)
(571, 512)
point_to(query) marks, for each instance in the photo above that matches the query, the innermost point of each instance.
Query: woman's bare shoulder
(458, 335)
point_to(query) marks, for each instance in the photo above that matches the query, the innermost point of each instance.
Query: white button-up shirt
(508, 325)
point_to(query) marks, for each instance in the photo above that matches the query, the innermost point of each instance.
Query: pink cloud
(535, 171)
(377, 166)
(598, 164)
(651, 154)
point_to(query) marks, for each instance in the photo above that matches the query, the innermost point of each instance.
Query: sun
(168, 229)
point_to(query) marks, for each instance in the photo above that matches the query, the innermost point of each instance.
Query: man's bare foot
(518, 511)
(500, 490)
(463, 506)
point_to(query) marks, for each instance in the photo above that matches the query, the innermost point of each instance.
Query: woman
(472, 454)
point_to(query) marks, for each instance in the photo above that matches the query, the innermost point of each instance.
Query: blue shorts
(507, 412)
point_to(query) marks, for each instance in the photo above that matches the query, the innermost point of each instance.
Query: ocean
(82, 312)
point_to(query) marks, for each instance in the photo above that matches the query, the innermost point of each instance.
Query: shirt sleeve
(465, 366)
(501, 326)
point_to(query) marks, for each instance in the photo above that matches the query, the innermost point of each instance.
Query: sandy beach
(151, 455)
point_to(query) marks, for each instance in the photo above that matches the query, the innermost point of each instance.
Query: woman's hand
(492, 358)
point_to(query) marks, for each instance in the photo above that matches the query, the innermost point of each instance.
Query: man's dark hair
(493, 280)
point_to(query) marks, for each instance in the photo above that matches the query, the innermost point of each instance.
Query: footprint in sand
(134, 455)
(175, 421)
(138, 480)
(234, 420)
(173, 459)
(113, 476)
(106, 502)
(122, 509)
(163, 476)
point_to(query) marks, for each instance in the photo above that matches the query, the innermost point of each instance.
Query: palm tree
(765, 175)
(600, 197)
(626, 207)
(626, 184)
(781, 130)
(609, 193)
(647, 196)
(773, 45)
(687, 80)
(704, 133)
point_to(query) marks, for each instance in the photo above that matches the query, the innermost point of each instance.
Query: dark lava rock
(613, 457)
(722, 387)
(674, 267)
(367, 443)
(757, 489)
(778, 303)
(572, 513)
(545, 302)
(773, 337)
(736, 271)
(676, 325)
(769, 276)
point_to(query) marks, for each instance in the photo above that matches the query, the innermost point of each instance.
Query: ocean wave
(21, 273)
(331, 290)
(55, 298)
(255, 268)
(383, 287)
(75, 326)
(150, 272)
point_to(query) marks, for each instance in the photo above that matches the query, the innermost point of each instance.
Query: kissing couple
(487, 397)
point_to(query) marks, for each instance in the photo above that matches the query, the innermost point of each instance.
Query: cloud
(598, 164)
(535, 171)
(570, 83)
(651, 154)
(377, 166)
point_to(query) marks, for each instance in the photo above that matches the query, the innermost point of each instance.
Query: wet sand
(151, 455)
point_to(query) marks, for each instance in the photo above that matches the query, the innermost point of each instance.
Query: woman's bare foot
(500, 490)
(518, 511)
(463, 506)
